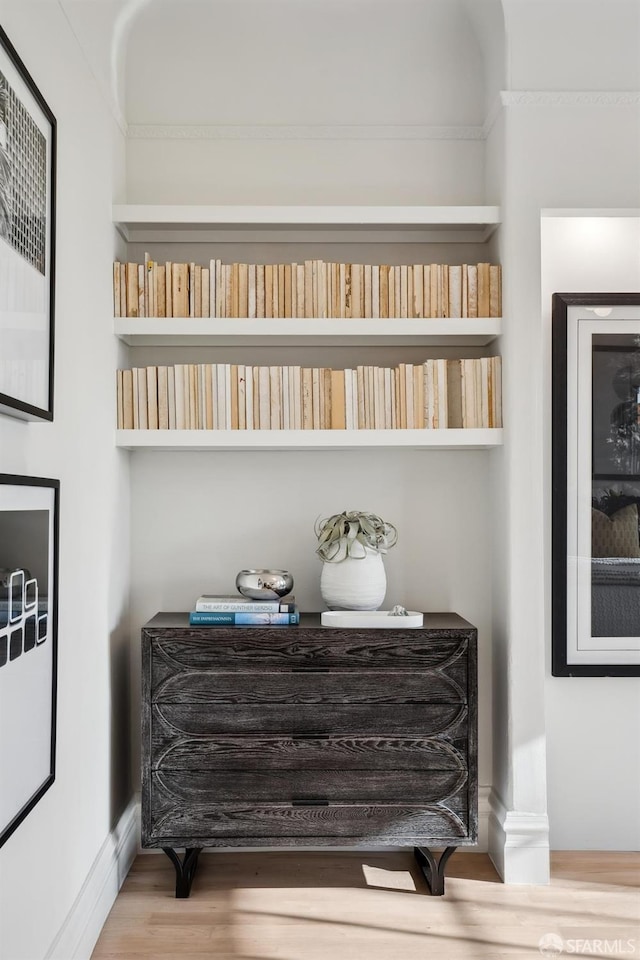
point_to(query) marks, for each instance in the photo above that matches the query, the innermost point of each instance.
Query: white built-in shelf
(150, 223)
(449, 439)
(210, 331)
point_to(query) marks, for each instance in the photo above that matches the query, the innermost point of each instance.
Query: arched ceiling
(294, 61)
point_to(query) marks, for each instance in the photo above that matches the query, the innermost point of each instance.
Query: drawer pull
(309, 803)
(310, 670)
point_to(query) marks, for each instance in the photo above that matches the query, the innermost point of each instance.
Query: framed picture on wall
(596, 485)
(27, 241)
(28, 644)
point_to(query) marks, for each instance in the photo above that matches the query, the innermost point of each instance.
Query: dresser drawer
(255, 649)
(227, 825)
(218, 752)
(335, 786)
(419, 719)
(308, 736)
(309, 687)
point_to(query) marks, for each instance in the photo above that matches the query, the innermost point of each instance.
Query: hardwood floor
(358, 906)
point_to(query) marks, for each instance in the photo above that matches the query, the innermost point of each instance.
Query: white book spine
(408, 396)
(212, 288)
(443, 402)
(171, 394)
(221, 412)
(275, 381)
(242, 397)
(213, 373)
(375, 291)
(252, 290)
(484, 391)
(428, 394)
(285, 399)
(455, 291)
(248, 393)
(141, 304)
(322, 288)
(179, 387)
(202, 394)
(297, 398)
(388, 392)
(394, 400)
(265, 398)
(227, 395)
(136, 399)
(436, 407)
(348, 400)
(292, 397)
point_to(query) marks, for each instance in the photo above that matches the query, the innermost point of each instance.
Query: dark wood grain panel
(269, 824)
(370, 686)
(251, 717)
(422, 719)
(267, 786)
(218, 752)
(263, 648)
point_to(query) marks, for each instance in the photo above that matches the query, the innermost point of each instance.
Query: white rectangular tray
(372, 619)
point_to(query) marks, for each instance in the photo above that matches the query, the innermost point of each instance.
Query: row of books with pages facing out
(212, 610)
(314, 288)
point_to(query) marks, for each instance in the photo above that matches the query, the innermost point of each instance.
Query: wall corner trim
(518, 843)
(603, 98)
(78, 934)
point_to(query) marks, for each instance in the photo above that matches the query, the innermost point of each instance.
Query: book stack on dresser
(212, 610)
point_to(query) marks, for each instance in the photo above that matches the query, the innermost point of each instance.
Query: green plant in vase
(351, 545)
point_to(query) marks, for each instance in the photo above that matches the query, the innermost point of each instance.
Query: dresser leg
(185, 869)
(433, 870)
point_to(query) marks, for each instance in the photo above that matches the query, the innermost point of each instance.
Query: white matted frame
(28, 644)
(581, 323)
(27, 241)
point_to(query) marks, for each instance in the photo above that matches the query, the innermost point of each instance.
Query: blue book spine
(205, 619)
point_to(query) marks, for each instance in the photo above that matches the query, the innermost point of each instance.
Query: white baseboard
(80, 931)
(518, 843)
(483, 820)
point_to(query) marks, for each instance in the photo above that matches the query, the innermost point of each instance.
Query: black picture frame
(29, 534)
(28, 157)
(561, 305)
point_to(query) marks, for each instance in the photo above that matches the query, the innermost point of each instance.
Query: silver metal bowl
(264, 584)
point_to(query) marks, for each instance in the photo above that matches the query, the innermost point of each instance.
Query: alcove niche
(325, 104)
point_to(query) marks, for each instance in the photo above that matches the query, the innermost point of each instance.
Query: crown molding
(525, 98)
(372, 132)
(202, 131)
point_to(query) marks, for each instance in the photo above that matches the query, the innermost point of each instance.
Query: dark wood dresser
(309, 735)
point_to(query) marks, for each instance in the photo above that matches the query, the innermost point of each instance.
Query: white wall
(314, 102)
(580, 149)
(593, 724)
(197, 519)
(577, 45)
(45, 862)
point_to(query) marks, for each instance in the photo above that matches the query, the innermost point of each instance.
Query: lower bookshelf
(443, 439)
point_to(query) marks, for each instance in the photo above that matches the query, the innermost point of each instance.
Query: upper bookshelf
(280, 331)
(149, 223)
(442, 439)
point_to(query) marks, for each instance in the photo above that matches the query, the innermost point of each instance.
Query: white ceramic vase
(354, 583)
